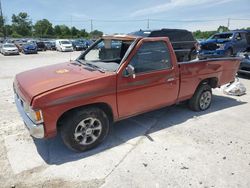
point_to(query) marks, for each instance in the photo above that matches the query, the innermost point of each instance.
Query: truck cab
(117, 77)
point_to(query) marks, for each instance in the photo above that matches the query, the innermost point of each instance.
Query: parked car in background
(88, 42)
(79, 45)
(184, 44)
(29, 48)
(41, 46)
(225, 44)
(64, 45)
(9, 49)
(19, 45)
(245, 65)
(50, 45)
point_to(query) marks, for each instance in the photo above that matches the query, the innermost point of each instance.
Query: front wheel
(202, 98)
(85, 129)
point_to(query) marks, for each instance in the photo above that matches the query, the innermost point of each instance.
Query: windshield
(65, 42)
(106, 53)
(30, 44)
(78, 42)
(9, 46)
(223, 36)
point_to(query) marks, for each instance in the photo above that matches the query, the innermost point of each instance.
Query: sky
(119, 16)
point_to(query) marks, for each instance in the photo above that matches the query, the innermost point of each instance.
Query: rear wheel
(202, 98)
(85, 129)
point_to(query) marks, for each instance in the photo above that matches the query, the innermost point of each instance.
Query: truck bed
(192, 72)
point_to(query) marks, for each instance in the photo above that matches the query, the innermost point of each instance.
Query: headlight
(221, 46)
(35, 115)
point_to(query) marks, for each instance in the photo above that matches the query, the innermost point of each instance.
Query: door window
(151, 56)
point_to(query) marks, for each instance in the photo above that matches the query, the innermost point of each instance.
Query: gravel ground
(170, 147)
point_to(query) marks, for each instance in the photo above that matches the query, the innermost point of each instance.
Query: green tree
(57, 31)
(222, 29)
(74, 32)
(21, 24)
(62, 31)
(2, 20)
(203, 34)
(96, 34)
(8, 30)
(82, 33)
(43, 28)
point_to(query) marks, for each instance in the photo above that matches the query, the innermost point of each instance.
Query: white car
(9, 49)
(64, 45)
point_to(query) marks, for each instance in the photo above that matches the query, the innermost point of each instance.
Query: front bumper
(11, 52)
(29, 51)
(79, 48)
(36, 131)
(67, 49)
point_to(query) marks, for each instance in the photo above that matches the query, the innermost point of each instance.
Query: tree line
(22, 26)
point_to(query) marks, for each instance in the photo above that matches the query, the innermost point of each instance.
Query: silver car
(9, 49)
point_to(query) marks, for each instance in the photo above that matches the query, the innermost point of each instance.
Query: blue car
(225, 44)
(29, 48)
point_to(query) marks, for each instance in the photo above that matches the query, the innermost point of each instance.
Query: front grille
(209, 46)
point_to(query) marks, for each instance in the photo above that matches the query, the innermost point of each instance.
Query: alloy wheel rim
(88, 131)
(205, 100)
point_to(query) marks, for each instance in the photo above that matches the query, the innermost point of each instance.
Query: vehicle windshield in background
(29, 44)
(223, 36)
(106, 54)
(65, 42)
(9, 46)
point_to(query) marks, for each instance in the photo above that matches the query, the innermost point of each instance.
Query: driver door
(155, 81)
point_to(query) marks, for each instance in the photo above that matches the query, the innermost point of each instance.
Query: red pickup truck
(117, 77)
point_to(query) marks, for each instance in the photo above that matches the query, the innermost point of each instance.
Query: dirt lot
(171, 147)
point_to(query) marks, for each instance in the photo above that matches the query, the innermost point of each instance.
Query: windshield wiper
(95, 67)
(91, 65)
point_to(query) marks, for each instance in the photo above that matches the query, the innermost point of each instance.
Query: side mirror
(130, 71)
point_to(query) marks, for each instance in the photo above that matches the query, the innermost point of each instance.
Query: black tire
(73, 126)
(199, 102)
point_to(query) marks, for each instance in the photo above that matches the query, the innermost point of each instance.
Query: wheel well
(213, 82)
(105, 107)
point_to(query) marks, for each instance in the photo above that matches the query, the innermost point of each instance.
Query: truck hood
(216, 41)
(37, 81)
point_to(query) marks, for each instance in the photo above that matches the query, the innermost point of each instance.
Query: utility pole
(91, 25)
(148, 23)
(2, 21)
(228, 23)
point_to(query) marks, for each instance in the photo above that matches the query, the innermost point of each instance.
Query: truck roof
(120, 37)
(173, 34)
